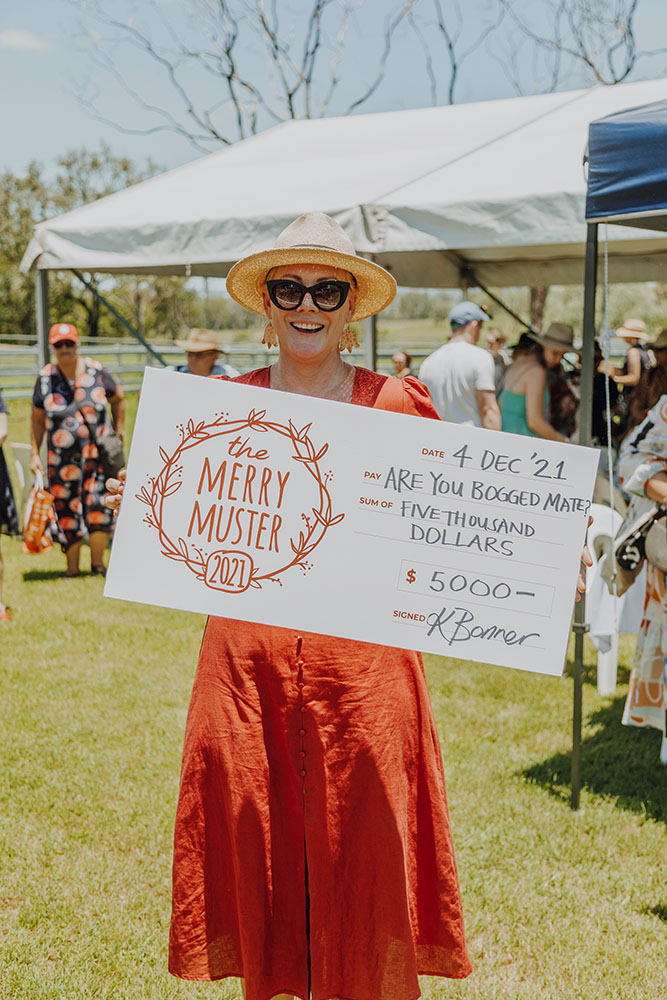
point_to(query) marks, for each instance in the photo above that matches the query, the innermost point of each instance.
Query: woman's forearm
(118, 413)
(656, 488)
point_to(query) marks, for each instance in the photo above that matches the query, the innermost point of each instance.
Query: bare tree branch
(390, 28)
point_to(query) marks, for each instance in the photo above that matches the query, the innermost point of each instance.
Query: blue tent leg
(585, 421)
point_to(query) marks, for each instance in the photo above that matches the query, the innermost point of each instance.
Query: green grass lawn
(94, 697)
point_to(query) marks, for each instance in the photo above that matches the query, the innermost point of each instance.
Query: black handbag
(647, 539)
(655, 545)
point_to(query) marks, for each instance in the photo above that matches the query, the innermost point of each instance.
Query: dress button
(302, 753)
(300, 663)
(300, 685)
(303, 773)
(303, 708)
(302, 732)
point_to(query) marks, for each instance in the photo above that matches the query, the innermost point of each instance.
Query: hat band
(317, 246)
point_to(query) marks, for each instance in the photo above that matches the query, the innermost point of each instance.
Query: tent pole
(42, 316)
(123, 322)
(370, 342)
(370, 333)
(585, 420)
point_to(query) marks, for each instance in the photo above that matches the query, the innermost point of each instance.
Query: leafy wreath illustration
(168, 481)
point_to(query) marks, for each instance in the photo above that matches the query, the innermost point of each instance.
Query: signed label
(319, 516)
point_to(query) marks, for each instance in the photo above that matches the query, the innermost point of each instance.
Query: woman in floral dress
(68, 395)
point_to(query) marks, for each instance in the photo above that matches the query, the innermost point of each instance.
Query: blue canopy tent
(627, 168)
(627, 186)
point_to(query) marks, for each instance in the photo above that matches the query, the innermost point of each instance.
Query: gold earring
(270, 338)
(348, 339)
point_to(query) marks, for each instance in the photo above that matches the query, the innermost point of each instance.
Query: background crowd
(531, 387)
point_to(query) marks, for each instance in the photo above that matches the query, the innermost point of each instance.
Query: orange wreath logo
(233, 569)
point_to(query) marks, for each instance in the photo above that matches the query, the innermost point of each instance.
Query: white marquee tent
(498, 186)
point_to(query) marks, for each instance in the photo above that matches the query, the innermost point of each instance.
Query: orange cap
(63, 331)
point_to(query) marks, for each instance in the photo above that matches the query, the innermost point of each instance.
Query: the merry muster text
(239, 499)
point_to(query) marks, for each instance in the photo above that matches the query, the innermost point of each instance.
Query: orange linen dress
(313, 854)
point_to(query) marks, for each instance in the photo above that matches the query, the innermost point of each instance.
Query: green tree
(158, 306)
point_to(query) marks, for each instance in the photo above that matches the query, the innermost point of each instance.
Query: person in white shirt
(461, 376)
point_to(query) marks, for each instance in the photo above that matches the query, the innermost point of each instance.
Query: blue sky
(42, 65)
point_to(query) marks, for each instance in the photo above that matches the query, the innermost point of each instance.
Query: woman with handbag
(69, 405)
(643, 471)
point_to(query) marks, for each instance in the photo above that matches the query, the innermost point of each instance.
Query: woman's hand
(586, 560)
(115, 494)
(36, 464)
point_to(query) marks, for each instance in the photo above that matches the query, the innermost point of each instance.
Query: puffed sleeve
(417, 399)
(109, 383)
(38, 394)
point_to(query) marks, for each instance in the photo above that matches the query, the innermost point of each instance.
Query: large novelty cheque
(319, 516)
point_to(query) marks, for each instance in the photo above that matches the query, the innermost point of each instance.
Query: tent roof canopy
(627, 171)
(496, 186)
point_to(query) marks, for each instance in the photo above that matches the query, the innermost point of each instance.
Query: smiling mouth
(308, 327)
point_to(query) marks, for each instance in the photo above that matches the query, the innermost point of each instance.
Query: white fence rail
(127, 359)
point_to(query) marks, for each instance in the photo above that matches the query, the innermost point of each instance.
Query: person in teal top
(525, 397)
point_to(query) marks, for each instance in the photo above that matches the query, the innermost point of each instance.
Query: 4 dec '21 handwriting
(487, 460)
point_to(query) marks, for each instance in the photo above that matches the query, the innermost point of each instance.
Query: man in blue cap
(460, 376)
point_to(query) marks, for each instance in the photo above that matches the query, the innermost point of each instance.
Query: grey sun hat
(314, 238)
(559, 335)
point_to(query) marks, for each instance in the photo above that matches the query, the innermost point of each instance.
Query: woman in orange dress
(313, 854)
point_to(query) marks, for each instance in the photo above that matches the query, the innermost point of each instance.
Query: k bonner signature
(461, 629)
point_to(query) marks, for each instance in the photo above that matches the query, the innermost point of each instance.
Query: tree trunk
(538, 298)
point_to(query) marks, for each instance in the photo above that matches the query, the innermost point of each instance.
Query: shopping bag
(38, 513)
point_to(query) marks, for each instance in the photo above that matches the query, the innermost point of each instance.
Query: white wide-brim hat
(633, 329)
(314, 238)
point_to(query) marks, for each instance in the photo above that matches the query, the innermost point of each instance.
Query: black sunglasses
(327, 295)
(65, 343)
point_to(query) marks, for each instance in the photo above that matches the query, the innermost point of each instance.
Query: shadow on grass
(659, 911)
(590, 672)
(39, 575)
(617, 762)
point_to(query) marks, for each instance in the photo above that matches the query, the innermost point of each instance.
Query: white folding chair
(601, 614)
(21, 453)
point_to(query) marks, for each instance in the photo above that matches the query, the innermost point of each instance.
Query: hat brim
(558, 345)
(633, 334)
(375, 287)
(64, 336)
(196, 348)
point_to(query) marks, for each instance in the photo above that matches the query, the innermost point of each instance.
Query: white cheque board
(319, 516)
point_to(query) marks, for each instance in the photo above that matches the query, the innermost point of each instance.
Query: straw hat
(199, 340)
(634, 328)
(313, 238)
(559, 335)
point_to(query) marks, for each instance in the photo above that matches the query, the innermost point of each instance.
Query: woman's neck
(310, 379)
(69, 368)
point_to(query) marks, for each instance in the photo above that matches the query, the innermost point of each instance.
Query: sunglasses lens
(65, 343)
(328, 295)
(287, 294)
